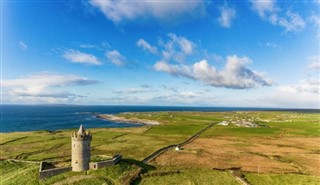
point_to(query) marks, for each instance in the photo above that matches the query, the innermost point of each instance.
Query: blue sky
(188, 53)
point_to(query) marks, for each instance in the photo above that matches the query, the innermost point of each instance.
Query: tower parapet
(80, 149)
(81, 134)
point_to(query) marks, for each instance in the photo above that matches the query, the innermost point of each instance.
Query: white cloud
(226, 17)
(142, 89)
(314, 63)
(264, 8)
(176, 70)
(235, 75)
(177, 48)
(120, 10)
(173, 98)
(79, 57)
(184, 98)
(270, 44)
(292, 23)
(39, 86)
(185, 45)
(314, 20)
(125, 100)
(268, 10)
(165, 87)
(188, 94)
(146, 46)
(23, 45)
(304, 94)
(87, 46)
(115, 57)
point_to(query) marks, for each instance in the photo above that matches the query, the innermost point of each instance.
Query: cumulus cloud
(177, 48)
(268, 10)
(314, 63)
(115, 57)
(79, 57)
(146, 46)
(176, 70)
(264, 8)
(120, 10)
(23, 45)
(186, 46)
(226, 16)
(292, 23)
(43, 85)
(235, 74)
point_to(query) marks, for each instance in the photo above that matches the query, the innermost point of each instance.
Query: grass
(240, 131)
(13, 173)
(254, 154)
(91, 181)
(176, 130)
(113, 172)
(192, 177)
(289, 124)
(281, 179)
(288, 145)
(39, 146)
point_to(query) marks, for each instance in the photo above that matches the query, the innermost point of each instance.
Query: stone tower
(80, 149)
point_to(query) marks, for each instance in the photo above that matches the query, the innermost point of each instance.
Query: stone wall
(44, 172)
(97, 165)
(51, 172)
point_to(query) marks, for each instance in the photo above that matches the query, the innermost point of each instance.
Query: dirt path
(237, 174)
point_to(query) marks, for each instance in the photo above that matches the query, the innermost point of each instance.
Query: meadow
(283, 150)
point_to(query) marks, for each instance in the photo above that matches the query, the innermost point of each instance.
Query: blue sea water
(54, 117)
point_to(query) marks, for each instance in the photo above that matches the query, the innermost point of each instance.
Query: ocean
(18, 118)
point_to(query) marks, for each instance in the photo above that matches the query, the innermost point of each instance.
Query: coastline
(113, 118)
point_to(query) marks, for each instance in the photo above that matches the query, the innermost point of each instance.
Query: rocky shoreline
(111, 117)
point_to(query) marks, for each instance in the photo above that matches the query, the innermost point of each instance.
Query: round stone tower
(80, 149)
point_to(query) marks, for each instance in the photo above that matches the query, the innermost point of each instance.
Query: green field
(195, 176)
(137, 143)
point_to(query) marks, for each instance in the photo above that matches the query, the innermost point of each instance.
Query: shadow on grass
(144, 166)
